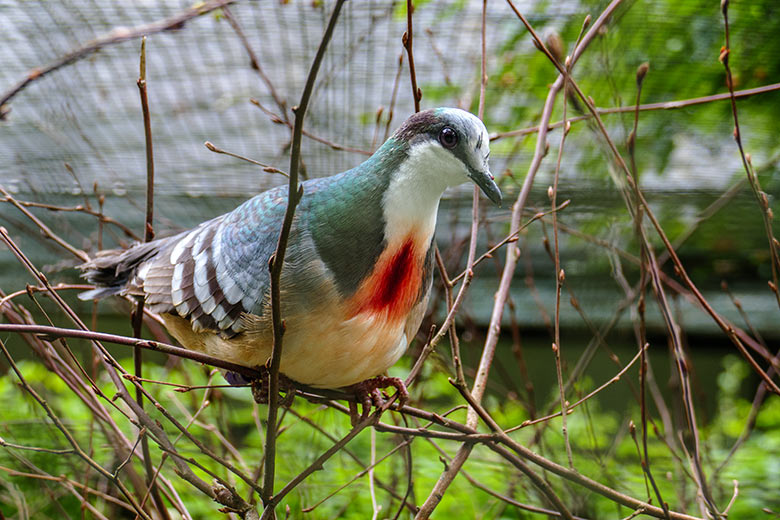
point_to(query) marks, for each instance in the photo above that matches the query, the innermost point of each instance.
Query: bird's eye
(448, 137)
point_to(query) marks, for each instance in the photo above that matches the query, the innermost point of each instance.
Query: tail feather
(112, 270)
(100, 293)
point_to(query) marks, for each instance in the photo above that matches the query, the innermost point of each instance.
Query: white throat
(412, 199)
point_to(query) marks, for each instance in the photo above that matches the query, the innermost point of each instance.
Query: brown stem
(507, 275)
(666, 105)
(559, 279)
(280, 103)
(295, 192)
(137, 317)
(266, 168)
(51, 333)
(116, 35)
(761, 197)
(408, 39)
(45, 230)
(394, 95)
(102, 219)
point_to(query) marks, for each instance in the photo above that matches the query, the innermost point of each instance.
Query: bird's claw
(261, 389)
(368, 395)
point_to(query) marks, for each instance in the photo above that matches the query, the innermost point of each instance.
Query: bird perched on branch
(357, 272)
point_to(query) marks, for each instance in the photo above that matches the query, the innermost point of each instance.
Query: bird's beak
(484, 179)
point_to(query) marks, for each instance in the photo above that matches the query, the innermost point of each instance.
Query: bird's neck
(409, 205)
(411, 200)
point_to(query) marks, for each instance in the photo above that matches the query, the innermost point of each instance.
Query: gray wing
(219, 270)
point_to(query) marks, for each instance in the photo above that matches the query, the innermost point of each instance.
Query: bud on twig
(724, 55)
(556, 46)
(641, 72)
(586, 23)
(764, 199)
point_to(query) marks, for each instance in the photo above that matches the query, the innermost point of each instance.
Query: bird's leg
(368, 394)
(261, 387)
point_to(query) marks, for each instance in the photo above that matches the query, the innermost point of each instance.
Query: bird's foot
(261, 388)
(368, 395)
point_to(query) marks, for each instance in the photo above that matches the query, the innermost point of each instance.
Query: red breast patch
(393, 286)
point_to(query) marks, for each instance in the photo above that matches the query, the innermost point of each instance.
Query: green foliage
(681, 41)
(599, 437)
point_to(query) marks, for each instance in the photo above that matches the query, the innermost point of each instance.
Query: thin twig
(407, 39)
(45, 230)
(666, 105)
(266, 168)
(306, 133)
(559, 279)
(507, 274)
(631, 146)
(394, 95)
(761, 198)
(138, 315)
(117, 35)
(102, 219)
(295, 192)
(280, 103)
(50, 333)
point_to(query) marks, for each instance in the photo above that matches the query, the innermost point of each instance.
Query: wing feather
(215, 274)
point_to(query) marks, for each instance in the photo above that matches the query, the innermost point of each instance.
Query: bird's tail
(112, 271)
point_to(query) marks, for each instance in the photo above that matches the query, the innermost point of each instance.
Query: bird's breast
(393, 287)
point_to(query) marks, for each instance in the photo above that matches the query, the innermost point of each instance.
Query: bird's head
(452, 145)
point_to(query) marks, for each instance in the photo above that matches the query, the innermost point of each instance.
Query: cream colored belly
(317, 350)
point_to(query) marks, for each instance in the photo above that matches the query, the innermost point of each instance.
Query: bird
(358, 269)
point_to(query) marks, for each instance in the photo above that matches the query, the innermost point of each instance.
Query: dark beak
(484, 179)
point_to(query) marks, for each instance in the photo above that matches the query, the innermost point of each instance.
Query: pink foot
(368, 394)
